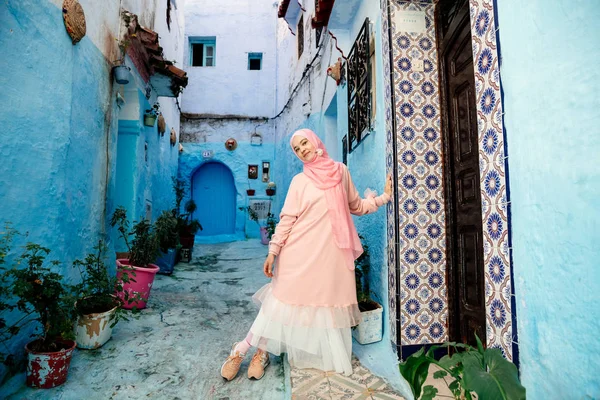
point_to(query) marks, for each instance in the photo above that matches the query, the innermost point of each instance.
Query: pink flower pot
(144, 277)
(264, 235)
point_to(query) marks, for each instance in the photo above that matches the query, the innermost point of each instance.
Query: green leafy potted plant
(267, 230)
(137, 272)
(370, 329)
(466, 371)
(187, 226)
(32, 287)
(98, 309)
(168, 241)
(151, 114)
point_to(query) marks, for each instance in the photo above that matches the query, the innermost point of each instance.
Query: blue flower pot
(166, 262)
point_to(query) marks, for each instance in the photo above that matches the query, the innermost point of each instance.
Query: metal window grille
(345, 150)
(359, 88)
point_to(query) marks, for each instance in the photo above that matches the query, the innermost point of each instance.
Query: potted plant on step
(271, 188)
(370, 329)
(187, 226)
(268, 229)
(98, 309)
(151, 114)
(466, 371)
(137, 272)
(168, 241)
(33, 288)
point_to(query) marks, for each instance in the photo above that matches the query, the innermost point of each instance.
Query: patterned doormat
(313, 384)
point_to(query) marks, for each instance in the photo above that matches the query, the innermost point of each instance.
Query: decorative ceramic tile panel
(492, 166)
(422, 247)
(423, 300)
(389, 164)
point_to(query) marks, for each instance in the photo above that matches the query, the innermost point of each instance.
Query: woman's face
(304, 148)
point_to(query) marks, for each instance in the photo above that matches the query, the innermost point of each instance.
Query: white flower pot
(93, 330)
(370, 330)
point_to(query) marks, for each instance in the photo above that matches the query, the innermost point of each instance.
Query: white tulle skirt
(312, 336)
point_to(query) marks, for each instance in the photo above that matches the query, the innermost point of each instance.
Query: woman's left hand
(388, 185)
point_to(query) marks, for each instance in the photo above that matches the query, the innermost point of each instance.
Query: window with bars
(359, 88)
(203, 51)
(300, 36)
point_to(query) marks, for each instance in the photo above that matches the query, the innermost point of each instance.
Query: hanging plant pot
(264, 235)
(121, 73)
(149, 119)
(94, 329)
(250, 192)
(144, 277)
(46, 370)
(270, 192)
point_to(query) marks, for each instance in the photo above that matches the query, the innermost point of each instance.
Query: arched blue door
(214, 192)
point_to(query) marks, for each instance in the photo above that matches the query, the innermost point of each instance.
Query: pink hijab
(327, 174)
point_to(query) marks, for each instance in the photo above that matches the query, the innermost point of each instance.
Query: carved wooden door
(465, 236)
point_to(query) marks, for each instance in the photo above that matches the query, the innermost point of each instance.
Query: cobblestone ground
(176, 347)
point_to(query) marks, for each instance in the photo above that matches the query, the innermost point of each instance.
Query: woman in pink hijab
(310, 305)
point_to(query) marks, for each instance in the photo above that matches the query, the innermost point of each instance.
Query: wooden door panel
(468, 267)
(463, 121)
(467, 186)
(465, 252)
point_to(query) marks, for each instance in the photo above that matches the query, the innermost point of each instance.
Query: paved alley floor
(175, 349)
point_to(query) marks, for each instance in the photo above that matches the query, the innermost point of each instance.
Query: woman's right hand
(268, 266)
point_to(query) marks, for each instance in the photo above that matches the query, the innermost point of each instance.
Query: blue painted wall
(237, 161)
(551, 89)
(59, 138)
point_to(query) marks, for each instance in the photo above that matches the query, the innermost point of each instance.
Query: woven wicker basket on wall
(74, 18)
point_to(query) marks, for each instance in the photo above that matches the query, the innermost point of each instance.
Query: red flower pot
(250, 192)
(187, 241)
(46, 370)
(270, 192)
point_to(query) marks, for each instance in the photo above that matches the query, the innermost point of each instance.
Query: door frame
(500, 333)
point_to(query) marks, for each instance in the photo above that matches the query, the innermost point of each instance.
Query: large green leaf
(499, 382)
(414, 370)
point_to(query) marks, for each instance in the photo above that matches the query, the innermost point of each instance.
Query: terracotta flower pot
(144, 278)
(46, 370)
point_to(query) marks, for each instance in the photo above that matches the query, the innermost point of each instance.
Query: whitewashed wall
(240, 27)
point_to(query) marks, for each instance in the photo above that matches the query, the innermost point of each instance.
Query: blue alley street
(175, 348)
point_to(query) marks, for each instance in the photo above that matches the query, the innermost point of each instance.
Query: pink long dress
(310, 305)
